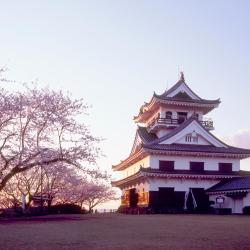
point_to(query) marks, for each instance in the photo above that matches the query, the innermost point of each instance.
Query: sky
(114, 54)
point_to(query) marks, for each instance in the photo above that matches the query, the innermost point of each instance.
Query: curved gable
(181, 89)
(193, 128)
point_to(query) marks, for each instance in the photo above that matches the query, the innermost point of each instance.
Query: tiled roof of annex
(242, 183)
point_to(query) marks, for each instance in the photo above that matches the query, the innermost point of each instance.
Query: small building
(176, 164)
(232, 194)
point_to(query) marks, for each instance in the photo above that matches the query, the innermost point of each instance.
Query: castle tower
(175, 158)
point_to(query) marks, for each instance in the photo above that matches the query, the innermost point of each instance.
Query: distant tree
(41, 127)
(84, 192)
(94, 194)
(50, 181)
(60, 183)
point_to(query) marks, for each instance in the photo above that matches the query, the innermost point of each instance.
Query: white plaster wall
(183, 162)
(246, 200)
(194, 126)
(236, 205)
(163, 110)
(145, 163)
(201, 141)
(180, 185)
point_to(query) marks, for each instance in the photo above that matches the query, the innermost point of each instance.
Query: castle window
(166, 165)
(225, 167)
(197, 166)
(169, 115)
(182, 116)
(188, 138)
(192, 137)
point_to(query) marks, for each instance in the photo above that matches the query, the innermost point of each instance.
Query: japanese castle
(176, 164)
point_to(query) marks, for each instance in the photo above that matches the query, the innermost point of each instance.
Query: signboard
(39, 198)
(220, 200)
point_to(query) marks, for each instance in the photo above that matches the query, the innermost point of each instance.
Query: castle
(176, 164)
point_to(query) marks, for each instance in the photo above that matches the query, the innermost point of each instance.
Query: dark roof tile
(185, 98)
(150, 141)
(189, 172)
(198, 148)
(231, 185)
(145, 136)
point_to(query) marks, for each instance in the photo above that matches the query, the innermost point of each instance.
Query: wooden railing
(208, 124)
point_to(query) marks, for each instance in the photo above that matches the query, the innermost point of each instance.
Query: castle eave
(130, 160)
(156, 101)
(199, 154)
(145, 173)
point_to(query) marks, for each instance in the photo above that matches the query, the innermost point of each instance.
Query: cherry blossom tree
(84, 192)
(62, 184)
(49, 181)
(41, 127)
(97, 194)
(26, 184)
(45, 147)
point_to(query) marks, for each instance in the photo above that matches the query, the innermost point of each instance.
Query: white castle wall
(145, 163)
(183, 162)
(246, 200)
(201, 141)
(163, 110)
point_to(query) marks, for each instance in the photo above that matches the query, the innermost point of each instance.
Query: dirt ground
(115, 231)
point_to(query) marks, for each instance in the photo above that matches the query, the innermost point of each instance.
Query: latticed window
(189, 138)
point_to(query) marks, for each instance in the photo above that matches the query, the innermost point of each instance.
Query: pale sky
(114, 54)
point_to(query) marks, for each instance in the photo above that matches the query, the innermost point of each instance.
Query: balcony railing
(208, 124)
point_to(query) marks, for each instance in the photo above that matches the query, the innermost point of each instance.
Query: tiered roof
(187, 174)
(185, 98)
